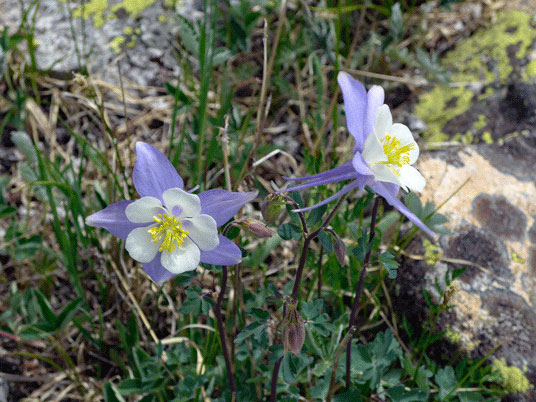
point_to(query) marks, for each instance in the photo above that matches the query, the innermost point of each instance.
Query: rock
(140, 35)
(495, 70)
(493, 224)
(493, 217)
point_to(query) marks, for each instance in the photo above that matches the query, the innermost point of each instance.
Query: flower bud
(293, 330)
(255, 227)
(340, 251)
(272, 207)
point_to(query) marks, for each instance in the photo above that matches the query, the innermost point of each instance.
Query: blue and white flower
(383, 152)
(169, 230)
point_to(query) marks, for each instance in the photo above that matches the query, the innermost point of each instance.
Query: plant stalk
(359, 288)
(306, 244)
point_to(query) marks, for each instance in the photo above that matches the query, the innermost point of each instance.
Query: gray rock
(140, 39)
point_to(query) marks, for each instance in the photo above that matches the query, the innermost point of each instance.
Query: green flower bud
(340, 251)
(293, 329)
(255, 227)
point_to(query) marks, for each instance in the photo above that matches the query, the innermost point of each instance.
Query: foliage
(80, 307)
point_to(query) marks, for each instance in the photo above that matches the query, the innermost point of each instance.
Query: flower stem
(295, 290)
(221, 330)
(307, 243)
(275, 374)
(359, 288)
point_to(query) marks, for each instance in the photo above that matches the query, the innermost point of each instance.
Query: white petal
(404, 135)
(203, 230)
(143, 210)
(373, 150)
(189, 204)
(383, 173)
(140, 244)
(412, 178)
(183, 258)
(384, 121)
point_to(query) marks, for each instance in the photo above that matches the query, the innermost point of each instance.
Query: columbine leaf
(446, 380)
(195, 302)
(363, 246)
(326, 242)
(312, 309)
(399, 394)
(254, 329)
(289, 231)
(389, 263)
(315, 216)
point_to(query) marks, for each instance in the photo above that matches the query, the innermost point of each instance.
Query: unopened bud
(294, 329)
(340, 251)
(256, 228)
(272, 207)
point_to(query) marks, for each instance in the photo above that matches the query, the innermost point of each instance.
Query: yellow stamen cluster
(397, 155)
(170, 229)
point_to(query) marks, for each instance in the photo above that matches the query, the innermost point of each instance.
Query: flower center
(170, 229)
(397, 155)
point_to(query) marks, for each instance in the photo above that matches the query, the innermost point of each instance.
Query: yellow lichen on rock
(116, 43)
(482, 58)
(133, 7)
(513, 378)
(95, 8)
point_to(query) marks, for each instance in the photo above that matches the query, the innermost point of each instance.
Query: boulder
(482, 132)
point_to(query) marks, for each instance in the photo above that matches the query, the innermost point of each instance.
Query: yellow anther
(397, 155)
(170, 229)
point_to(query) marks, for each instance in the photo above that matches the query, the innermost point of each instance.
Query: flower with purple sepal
(383, 151)
(169, 230)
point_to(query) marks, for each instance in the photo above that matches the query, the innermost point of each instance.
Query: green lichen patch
(488, 57)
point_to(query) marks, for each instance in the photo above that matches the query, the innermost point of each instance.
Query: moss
(162, 18)
(484, 57)
(128, 30)
(95, 8)
(487, 138)
(116, 43)
(513, 378)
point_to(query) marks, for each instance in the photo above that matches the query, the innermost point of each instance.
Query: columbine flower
(383, 151)
(169, 230)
